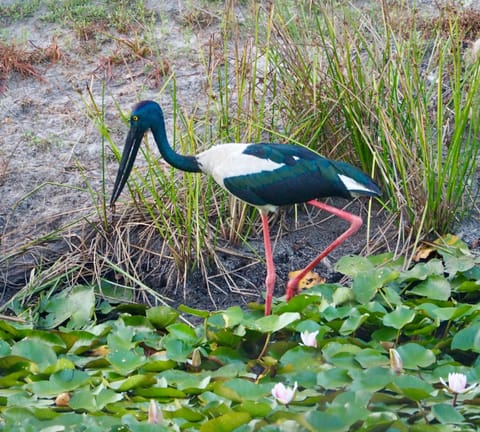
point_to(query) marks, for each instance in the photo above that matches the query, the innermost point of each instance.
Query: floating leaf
(124, 362)
(274, 323)
(334, 378)
(467, 339)
(161, 316)
(241, 389)
(435, 287)
(76, 304)
(447, 414)
(415, 356)
(226, 423)
(35, 350)
(353, 322)
(412, 387)
(399, 318)
(63, 381)
(367, 283)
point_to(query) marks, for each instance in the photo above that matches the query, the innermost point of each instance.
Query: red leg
(355, 224)
(270, 280)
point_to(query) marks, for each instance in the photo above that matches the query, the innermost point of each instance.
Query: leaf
(370, 357)
(435, 287)
(132, 382)
(366, 284)
(239, 390)
(423, 252)
(310, 280)
(373, 379)
(183, 332)
(334, 378)
(273, 323)
(226, 423)
(447, 414)
(35, 350)
(124, 362)
(353, 322)
(415, 356)
(399, 318)
(467, 339)
(353, 265)
(422, 270)
(412, 387)
(322, 421)
(63, 381)
(76, 304)
(228, 318)
(161, 316)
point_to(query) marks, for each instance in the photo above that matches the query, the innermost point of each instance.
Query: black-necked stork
(265, 175)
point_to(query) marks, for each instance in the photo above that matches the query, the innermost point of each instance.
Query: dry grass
(466, 20)
(18, 59)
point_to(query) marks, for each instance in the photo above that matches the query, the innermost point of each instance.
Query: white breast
(228, 160)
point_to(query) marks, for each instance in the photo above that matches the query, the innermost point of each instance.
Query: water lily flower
(309, 339)
(154, 414)
(457, 384)
(396, 362)
(284, 394)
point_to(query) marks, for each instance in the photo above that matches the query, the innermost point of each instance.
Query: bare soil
(50, 150)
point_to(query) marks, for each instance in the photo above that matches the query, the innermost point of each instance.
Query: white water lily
(284, 394)
(457, 383)
(309, 339)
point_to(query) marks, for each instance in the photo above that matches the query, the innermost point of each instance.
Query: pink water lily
(154, 413)
(457, 384)
(309, 339)
(284, 394)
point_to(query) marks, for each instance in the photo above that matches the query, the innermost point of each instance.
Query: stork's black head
(144, 115)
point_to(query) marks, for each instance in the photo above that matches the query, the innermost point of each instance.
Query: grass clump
(88, 18)
(406, 105)
(15, 58)
(16, 11)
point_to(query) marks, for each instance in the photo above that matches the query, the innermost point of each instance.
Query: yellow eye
(135, 118)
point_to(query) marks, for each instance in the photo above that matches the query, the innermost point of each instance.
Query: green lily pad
(467, 339)
(60, 382)
(414, 356)
(35, 350)
(399, 318)
(76, 305)
(447, 414)
(273, 323)
(226, 423)
(435, 287)
(161, 316)
(125, 362)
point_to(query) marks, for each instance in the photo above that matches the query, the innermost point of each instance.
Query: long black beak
(132, 144)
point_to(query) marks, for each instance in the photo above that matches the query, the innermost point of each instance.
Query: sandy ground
(49, 148)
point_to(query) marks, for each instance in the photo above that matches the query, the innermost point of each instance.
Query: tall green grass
(358, 87)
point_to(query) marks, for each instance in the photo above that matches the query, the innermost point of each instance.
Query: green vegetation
(12, 12)
(88, 18)
(380, 349)
(385, 89)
